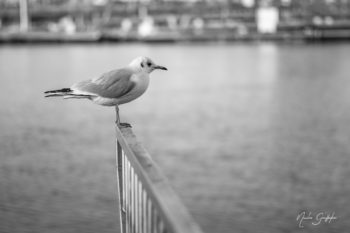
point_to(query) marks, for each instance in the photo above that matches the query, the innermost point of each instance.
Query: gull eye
(149, 64)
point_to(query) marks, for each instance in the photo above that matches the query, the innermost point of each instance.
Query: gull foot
(124, 125)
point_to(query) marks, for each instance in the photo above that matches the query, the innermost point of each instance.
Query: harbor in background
(173, 20)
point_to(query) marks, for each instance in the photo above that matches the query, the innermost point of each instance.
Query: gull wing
(113, 84)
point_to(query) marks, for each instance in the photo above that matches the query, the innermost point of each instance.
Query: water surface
(249, 135)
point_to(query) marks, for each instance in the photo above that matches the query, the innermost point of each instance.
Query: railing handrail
(173, 212)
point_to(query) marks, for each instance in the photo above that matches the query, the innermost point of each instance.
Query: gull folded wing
(113, 84)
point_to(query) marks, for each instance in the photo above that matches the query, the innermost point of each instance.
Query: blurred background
(250, 124)
(173, 20)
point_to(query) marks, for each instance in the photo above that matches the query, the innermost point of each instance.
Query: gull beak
(160, 68)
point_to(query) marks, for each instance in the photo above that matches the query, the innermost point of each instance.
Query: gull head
(145, 64)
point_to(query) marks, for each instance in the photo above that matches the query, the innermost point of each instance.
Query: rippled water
(249, 135)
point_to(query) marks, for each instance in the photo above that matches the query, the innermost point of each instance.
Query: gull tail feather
(77, 96)
(58, 92)
(66, 93)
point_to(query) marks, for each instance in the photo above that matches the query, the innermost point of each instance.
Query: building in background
(267, 19)
(179, 19)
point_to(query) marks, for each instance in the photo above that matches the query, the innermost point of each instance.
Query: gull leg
(117, 121)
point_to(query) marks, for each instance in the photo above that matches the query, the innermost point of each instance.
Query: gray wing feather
(113, 84)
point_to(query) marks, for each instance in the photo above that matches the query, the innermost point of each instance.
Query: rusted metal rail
(147, 202)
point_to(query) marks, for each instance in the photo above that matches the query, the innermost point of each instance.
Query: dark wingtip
(48, 92)
(59, 90)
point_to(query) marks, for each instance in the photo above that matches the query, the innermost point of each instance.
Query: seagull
(113, 88)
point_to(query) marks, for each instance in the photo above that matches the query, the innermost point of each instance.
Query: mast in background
(23, 15)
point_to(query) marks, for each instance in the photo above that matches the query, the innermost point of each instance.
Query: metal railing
(147, 202)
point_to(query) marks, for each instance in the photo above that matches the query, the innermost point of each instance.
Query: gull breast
(141, 82)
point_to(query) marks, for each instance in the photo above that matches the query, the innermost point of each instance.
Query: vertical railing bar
(141, 198)
(152, 220)
(128, 190)
(130, 198)
(123, 193)
(144, 211)
(123, 180)
(157, 221)
(126, 181)
(155, 229)
(132, 201)
(136, 203)
(161, 226)
(140, 206)
(149, 216)
(127, 193)
(139, 211)
(155, 216)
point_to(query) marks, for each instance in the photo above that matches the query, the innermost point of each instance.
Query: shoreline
(172, 37)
